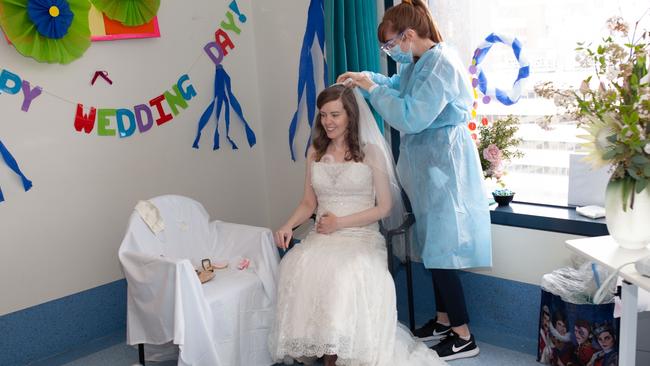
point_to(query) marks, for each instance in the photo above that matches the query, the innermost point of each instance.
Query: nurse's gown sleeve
(414, 112)
(381, 79)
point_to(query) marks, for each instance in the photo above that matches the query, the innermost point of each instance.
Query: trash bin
(572, 330)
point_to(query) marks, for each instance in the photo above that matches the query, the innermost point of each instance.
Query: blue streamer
(516, 48)
(234, 103)
(523, 72)
(227, 115)
(315, 29)
(13, 165)
(215, 138)
(482, 82)
(223, 97)
(502, 96)
(220, 96)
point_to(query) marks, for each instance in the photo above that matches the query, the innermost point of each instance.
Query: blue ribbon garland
(306, 82)
(524, 68)
(223, 96)
(13, 165)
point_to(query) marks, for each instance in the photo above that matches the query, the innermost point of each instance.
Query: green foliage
(613, 104)
(622, 101)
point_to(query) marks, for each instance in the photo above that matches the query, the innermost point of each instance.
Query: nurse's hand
(360, 79)
(363, 81)
(327, 224)
(348, 75)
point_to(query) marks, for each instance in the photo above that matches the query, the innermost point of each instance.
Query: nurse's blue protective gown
(429, 102)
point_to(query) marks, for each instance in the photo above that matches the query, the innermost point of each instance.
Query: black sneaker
(432, 331)
(455, 347)
(442, 344)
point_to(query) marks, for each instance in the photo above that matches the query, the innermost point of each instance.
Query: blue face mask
(400, 56)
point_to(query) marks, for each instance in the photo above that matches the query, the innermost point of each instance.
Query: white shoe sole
(466, 354)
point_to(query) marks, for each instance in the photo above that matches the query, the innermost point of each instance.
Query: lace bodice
(343, 188)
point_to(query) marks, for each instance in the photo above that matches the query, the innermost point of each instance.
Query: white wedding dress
(335, 294)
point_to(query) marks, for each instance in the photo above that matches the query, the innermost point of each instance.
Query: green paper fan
(128, 12)
(22, 33)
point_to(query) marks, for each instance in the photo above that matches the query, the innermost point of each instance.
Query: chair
(223, 322)
(403, 229)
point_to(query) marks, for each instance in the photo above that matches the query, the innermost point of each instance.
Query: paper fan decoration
(54, 31)
(129, 12)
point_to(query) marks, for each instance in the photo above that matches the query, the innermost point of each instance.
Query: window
(549, 31)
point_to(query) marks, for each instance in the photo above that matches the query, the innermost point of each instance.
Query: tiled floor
(113, 352)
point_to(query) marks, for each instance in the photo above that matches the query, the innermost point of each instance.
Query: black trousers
(449, 295)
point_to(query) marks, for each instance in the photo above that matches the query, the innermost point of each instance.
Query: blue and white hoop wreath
(479, 79)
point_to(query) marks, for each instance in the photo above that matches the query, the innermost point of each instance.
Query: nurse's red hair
(413, 14)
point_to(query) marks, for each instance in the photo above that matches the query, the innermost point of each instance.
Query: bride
(336, 298)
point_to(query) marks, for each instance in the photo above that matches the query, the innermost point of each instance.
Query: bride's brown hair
(320, 139)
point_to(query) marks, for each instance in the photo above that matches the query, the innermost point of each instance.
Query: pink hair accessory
(243, 264)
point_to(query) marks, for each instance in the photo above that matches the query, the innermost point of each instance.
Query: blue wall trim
(63, 324)
(502, 312)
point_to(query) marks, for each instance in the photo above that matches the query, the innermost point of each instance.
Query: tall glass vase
(628, 222)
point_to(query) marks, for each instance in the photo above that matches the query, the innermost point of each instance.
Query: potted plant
(503, 197)
(613, 107)
(496, 145)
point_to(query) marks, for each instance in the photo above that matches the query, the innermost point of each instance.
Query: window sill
(547, 218)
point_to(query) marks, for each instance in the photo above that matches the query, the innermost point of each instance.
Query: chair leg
(141, 353)
(409, 283)
(409, 288)
(389, 247)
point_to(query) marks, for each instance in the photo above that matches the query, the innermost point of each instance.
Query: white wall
(71, 223)
(62, 236)
(279, 29)
(525, 255)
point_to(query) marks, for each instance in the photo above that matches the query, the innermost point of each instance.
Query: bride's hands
(283, 237)
(327, 224)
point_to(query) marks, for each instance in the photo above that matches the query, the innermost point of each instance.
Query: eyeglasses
(388, 45)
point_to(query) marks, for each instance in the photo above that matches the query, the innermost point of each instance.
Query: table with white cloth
(223, 322)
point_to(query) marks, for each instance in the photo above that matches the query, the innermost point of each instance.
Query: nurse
(429, 102)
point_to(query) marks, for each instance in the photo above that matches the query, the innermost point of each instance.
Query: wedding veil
(381, 160)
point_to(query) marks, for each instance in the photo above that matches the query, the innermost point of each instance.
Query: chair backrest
(186, 233)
